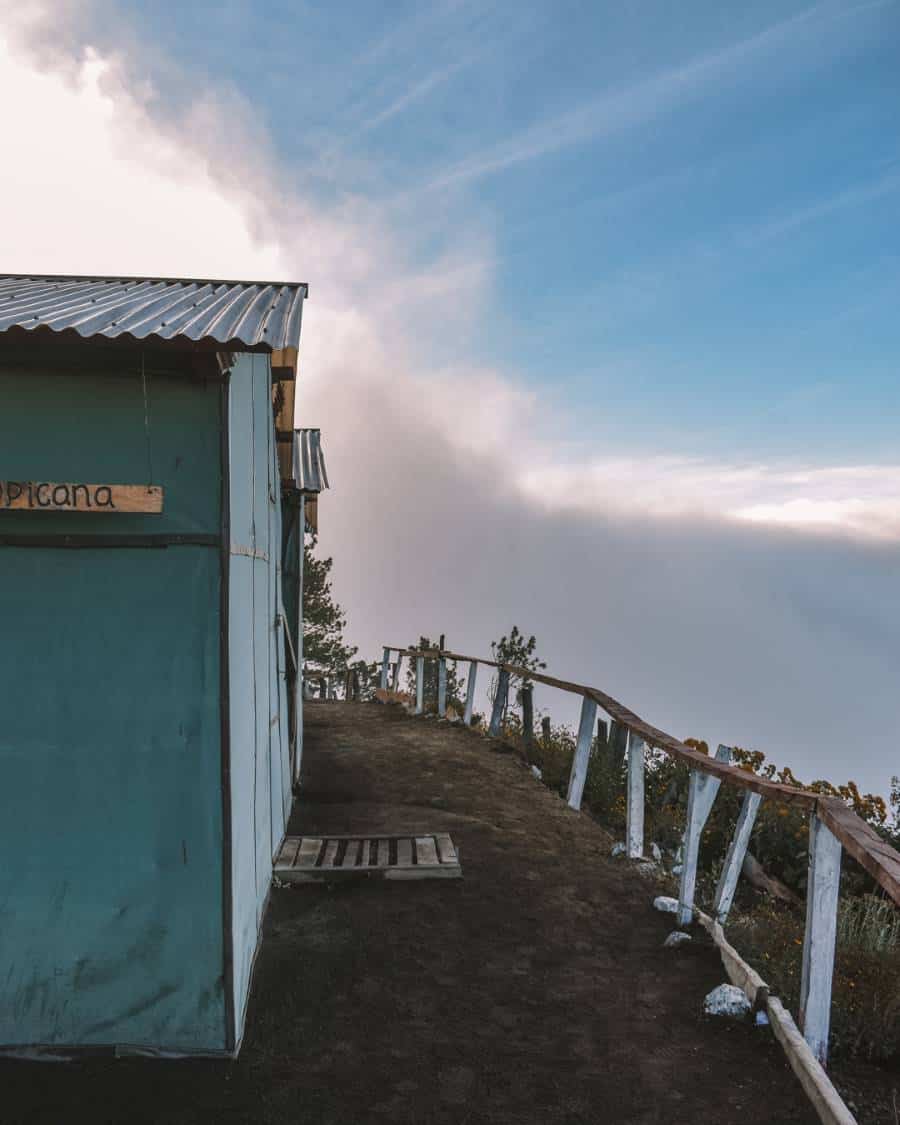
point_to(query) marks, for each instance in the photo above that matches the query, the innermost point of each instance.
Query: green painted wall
(111, 907)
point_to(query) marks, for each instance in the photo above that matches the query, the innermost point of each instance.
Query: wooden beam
(420, 684)
(822, 887)
(701, 794)
(734, 860)
(442, 687)
(634, 810)
(470, 692)
(499, 703)
(385, 664)
(284, 364)
(581, 758)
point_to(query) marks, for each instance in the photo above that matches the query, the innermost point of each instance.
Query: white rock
(656, 852)
(762, 1020)
(727, 1000)
(617, 849)
(537, 773)
(665, 904)
(676, 937)
(677, 869)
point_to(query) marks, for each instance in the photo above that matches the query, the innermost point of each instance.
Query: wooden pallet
(310, 859)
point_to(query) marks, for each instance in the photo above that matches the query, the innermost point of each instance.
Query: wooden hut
(147, 684)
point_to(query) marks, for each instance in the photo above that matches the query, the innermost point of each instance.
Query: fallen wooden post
(634, 811)
(470, 693)
(499, 703)
(701, 794)
(822, 887)
(734, 860)
(582, 756)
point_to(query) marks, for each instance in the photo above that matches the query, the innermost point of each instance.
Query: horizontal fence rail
(833, 826)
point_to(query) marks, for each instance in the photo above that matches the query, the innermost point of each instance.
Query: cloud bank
(749, 603)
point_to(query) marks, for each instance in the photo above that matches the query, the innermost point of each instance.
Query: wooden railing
(833, 825)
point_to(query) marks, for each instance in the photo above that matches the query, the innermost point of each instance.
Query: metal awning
(261, 316)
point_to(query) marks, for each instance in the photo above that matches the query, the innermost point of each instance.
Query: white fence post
(396, 684)
(701, 794)
(442, 687)
(734, 860)
(420, 684)
(385, 664)
(634, 813)
(581, 760)
(822, 889)
(470, 693)
(499, 703)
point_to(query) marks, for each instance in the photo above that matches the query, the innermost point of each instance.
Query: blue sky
(689, 212)
(602, 333)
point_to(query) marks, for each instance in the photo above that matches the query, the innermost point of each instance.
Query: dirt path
(535, 989)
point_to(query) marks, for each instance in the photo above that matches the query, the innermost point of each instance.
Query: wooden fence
(832, 825)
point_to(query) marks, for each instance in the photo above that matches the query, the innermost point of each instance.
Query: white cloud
(458, 504)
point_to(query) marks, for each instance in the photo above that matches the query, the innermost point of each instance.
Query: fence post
(546, 732)
(582, 757)
(323, 688)
(385, 664)
(734, 859)
(442, 687)
(499, 703)
(420, 684)
(822, 887)
(634, 813)
(470, 693)
(618, 742)
(396, 684)
(528, 716)
(701, 794)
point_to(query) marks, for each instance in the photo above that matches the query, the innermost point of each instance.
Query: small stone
(617, 850)
(656, 852)
(762, 1020)
(677, 869)
(537, 773)
(665, 904)
(676, 937)
(439, 802)
(727, 1000)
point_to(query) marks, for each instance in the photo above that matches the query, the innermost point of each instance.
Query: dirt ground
(534, 990)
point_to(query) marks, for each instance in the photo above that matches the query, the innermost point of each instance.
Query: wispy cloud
(415, 93)
(632, 105)
(858, 195)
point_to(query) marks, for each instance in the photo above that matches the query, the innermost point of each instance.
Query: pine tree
(324, 620)
(518, 650)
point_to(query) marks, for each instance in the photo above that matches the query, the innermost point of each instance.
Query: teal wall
(260, 785)
(111, 904)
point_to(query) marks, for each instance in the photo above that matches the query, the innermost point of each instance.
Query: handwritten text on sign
(45, 496)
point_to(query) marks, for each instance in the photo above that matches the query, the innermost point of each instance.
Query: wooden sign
(46, 496)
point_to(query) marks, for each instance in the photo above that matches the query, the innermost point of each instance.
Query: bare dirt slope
(535, 989)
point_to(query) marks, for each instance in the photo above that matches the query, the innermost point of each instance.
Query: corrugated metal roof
(310, 473)
(237, 315)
